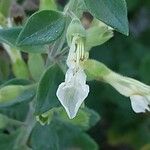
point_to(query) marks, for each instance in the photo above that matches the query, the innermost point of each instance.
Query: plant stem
(27, 129)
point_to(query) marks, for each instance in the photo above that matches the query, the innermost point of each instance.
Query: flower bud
(45, 118)
(97, 35)
(20, 69)
(10, 92)
(75, 28)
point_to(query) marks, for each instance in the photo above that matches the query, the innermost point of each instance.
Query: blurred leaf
(34, 49)
(7, 141)
(17, 111)
(61, 136)
(48, 5)
(5, 7)
(81, 120)
(16, 81)
(78, 7)
(113, 13)
(144, 37)
(137, 137)
(46, 92)
(6, 122)
(3, 121)
(4, 68)
(24, 95)
(132, 4)
(3, 20)
(71, 137)
(146, 147)
(24, 92)
(20, 69)
(24, 147)
(43, 27)
(146, 3)
(44, 137)
(93, 116)
(10, 35)
(85, 118)
(145, 69)
(36, 66)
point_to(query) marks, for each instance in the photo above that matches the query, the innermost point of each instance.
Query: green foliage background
(119, 127)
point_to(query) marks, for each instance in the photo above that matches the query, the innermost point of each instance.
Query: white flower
(138, 92)
(140, 103)
(74, 90)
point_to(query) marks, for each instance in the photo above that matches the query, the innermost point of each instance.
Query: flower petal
(127, 86)
(72, 97)
(71, 56)
(74, 76)
(139, 103)
(81, 76)
(73, 91)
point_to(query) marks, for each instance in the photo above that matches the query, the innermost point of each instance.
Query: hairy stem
(27, 129)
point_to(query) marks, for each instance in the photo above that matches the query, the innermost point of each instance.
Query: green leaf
(84, 141)
(5, 7)
(10, 35)
(71, 137)
(3, 20)
(48, 5)
(85, 118)
(78, 7)
(3, 121)
(16, 91)
(34, 49)
(9, 97)
(18, 111)
(44, 137)
(111, 12)
(36, 65)
(93, 117)
(59, 135)
(6, 122)
(46, 92)
(144, 69)
(43, 27)
(20, 69)
(16, 81)
(4, 68)
(7, 141)
(23, 147)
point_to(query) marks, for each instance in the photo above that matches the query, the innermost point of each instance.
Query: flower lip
(140, 103)
(73, 91)
(138, 92)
